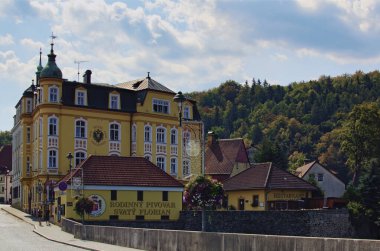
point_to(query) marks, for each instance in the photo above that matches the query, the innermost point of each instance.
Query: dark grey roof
(144, 84)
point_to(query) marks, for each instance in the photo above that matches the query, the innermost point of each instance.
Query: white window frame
(134, 133)
(29, 105)
(53, 97)
(320, 177)
(161, 162)
(159, 104)
(186, 112)
(55, 126)
(113, 132)
(78, 159)
(147, 133)
(52, 160)
(186, 138)
(186, 166)
(173, 166)
(148, 157)
(161, 135)
(28, 134)
(79, 128)
(174, 136)
(83, 98)
(112, 104)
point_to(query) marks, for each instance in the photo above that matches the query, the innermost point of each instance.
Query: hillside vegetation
(289, 124)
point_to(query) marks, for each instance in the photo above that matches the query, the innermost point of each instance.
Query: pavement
(54, 233)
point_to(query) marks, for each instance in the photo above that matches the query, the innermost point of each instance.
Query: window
(186, 167)
(140, 195)
(80, 129)
(114, 132)
(114, 101)
(134, 137)
(53, 94)
(113, 195)
(52, 159)
(173, 137)
(147, 134)
(161, 106)
(28, 105)
(186, 112)
(79, 157)
(173, 166)
(165, 195)
(161, 135)
(40, 127)
(147, 157)
(186, 138)
(161, 163)
(28, 134)
(80, 98)
(53, 126)
(320, 176)
(255, 201)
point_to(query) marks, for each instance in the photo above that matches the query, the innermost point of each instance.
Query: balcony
(173, 150)
(114, 147)
(80, 144)
(160, 148)
(147, 147)
(53, 141)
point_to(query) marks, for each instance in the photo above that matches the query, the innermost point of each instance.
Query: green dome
(51, 69)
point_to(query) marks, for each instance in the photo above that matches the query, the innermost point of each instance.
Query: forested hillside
(289, 124)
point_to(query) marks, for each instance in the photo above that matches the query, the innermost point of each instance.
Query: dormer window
(80, 97)
(186, 112)
(114, 101)
(29, 105)
(161, 106)
(53, 94)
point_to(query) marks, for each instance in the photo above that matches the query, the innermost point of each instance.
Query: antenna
(78, 62)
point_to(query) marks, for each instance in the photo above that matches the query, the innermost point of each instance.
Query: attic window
(137, 84)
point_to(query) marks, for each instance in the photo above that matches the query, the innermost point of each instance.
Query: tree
(83, 206)
(201, 193)
(5, 138)
(295, 160)
(361, 137)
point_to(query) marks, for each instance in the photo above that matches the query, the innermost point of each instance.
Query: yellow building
(122, 188)
(56, 116)
(266, 187)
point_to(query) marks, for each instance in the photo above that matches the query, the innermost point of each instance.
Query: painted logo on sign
(99, 205)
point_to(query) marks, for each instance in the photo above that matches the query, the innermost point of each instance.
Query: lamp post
(179, 98)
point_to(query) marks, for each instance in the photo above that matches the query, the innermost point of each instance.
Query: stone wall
(313, 223)
(168, 240)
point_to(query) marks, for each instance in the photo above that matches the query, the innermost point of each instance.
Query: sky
(190, 45)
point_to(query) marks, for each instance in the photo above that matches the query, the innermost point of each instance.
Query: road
(17, 235)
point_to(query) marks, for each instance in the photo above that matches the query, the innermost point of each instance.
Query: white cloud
(310, 5)
(6, 40)
(30, 43)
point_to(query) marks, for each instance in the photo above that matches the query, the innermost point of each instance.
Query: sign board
(62, 186)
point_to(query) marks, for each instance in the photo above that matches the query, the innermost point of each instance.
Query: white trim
(128, 188)
(77, 91)
(118, 101)
(49, 92)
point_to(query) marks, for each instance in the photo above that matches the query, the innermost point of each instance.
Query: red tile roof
(222, 155)
(265, 176)
(122, 171)
(6, 156)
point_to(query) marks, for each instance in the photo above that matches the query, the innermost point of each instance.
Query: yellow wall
(126, 206)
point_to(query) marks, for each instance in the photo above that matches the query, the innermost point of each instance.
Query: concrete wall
(167, 240)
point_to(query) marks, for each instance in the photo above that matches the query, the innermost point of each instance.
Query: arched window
(114, 132)
(52, 162)
(161, 135)
(80, 128)
(186, 167)
(79, 157)
(53, 121)
(134, 136)
(147, 133)
(53, 94)
(173, 137)
(186, 137)
(161, 162)
(173, 166)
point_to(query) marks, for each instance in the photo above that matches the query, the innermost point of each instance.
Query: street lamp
(179, 98)
(70, 157)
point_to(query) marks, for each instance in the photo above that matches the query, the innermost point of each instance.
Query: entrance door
(241, 204)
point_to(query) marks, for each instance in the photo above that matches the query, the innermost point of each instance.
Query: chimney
(211, 138)
(87, 77)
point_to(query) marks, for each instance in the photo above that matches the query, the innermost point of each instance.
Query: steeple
(51, 69)
(39, 69)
